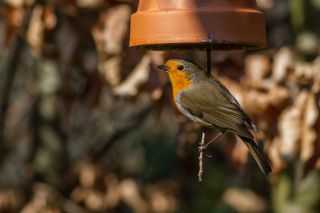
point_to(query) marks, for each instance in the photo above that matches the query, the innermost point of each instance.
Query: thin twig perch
(200, 173)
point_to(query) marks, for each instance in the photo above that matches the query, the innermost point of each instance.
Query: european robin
(204, 99)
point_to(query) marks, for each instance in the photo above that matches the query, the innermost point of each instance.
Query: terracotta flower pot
(184, 24)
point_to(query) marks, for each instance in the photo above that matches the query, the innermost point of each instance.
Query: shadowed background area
(88, 124)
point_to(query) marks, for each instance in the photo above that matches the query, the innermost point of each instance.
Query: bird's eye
(180, 67)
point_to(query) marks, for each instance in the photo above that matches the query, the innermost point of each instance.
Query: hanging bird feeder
(195, 24)
(198, 25)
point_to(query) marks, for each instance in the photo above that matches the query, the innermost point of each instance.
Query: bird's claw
(208, 156)
(202, 148)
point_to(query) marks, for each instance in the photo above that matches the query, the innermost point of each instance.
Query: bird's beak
(163, 67)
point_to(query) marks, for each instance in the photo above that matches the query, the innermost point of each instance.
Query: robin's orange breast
(179, 81)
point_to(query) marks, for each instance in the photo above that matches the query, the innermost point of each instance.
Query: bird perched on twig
(205, 100)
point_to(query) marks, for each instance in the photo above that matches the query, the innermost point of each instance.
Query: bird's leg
(204, 147)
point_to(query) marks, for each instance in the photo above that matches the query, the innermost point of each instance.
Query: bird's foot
(203, 147)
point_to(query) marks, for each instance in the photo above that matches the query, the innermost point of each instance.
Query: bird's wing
(230, 97)
(210, 104)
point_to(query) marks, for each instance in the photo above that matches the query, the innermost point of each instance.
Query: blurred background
(88, 124)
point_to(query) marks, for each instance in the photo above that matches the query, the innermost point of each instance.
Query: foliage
(88, 124)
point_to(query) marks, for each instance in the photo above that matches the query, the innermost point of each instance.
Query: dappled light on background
(89, 124)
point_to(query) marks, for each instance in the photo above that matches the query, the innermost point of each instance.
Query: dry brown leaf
(115, 27)
(9, 200)
(256, 102)
(89, 3)
(244, 200)
(88, 175)
(275, 155)
(309, 134)
(130, 194)
(109, 34)
(79, 194)
(240, 152)
(283, 60)
(139, 75)
(13, 19)
(316, 83)
(290, 123)
(49, 18)
(257, 67)
(36, 31)
(14, 3)
(43, 194)
(157, 57)
(162, 199)
(278, 96)
(265, 4)
(303, 73)
(110, 69)
(112, 197)
(94, 200)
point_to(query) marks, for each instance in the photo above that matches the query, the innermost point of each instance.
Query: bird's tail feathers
(257, 155)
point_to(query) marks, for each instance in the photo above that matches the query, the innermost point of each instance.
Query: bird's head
(180, 68)
(181, 73)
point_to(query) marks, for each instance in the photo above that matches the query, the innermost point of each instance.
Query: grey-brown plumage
(209, 103)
